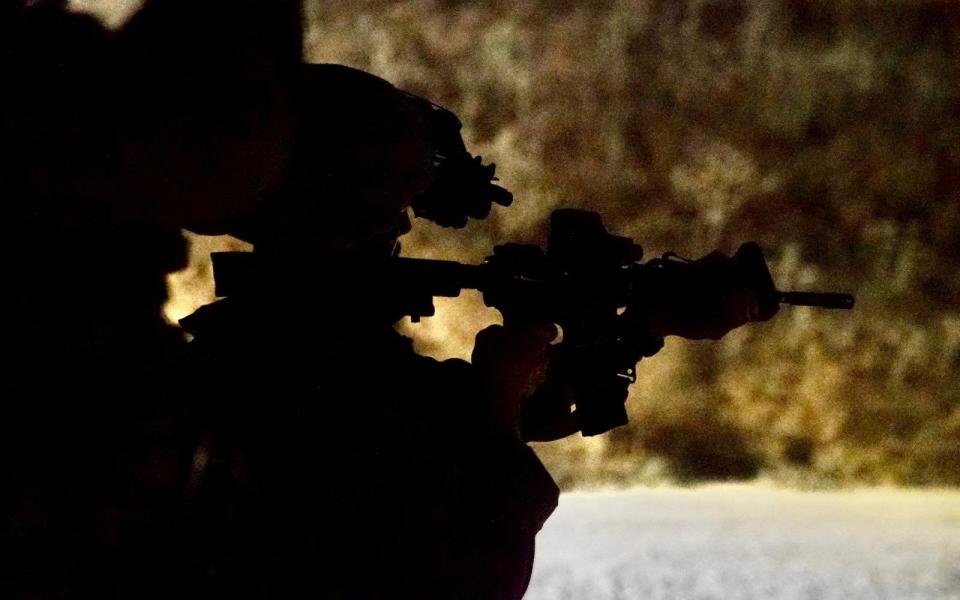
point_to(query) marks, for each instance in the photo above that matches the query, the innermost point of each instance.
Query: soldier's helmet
(363, 153)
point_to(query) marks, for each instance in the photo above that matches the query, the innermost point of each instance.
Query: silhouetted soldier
(354, 467)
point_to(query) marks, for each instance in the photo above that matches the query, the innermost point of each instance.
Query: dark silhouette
(284, 456)
(108, 144)
(297, 447)
(352, 466)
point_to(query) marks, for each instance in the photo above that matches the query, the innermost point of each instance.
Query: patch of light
(113, 14)
(192, 287)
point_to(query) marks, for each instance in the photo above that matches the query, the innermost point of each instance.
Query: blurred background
(829, 132)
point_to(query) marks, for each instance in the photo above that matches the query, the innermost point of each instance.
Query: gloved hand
(511, 362)
(708, 297)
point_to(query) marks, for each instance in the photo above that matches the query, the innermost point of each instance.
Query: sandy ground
(745, 542)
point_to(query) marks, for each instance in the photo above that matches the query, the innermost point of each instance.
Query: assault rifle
(589, 282)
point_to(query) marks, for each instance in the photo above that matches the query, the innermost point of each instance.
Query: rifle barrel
(819, 299)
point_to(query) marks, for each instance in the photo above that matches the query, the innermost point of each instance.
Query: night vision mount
(463, 187)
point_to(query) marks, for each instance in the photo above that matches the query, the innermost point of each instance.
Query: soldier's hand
(713, 295)
(511, 362)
